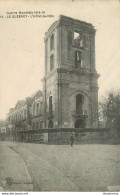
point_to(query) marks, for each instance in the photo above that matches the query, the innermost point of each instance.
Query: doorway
(80, 123)
(50, 124)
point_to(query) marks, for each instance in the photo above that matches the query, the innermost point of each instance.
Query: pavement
(40, 167)
(13, 166)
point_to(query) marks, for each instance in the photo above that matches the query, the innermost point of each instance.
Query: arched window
(79, 103)
(50, 124)
(52, 42)
(51, 62)
(50, 105)
(78, 60)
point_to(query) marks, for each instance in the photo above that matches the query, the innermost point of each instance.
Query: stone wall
(62, 136)
(82, 136)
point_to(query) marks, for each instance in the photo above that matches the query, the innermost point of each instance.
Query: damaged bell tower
(70, 83)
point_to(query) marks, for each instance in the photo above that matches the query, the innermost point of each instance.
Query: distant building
(26, 114)
(37, 111)
(3, 129)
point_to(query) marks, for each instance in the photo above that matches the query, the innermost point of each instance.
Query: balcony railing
(80, 114)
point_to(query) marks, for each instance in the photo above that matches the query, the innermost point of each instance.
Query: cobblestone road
(38, 167)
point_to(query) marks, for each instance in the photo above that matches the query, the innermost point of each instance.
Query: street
(40, 167)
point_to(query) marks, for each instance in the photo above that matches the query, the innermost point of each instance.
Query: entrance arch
(80, 123)
(50, 124)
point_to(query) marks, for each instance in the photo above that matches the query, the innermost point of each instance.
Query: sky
(22, 44)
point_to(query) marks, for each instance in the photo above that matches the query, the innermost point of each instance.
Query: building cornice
(64, 20)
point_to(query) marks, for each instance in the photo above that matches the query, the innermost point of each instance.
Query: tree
(111, 107)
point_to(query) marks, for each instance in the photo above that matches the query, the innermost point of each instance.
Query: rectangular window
(77, 58)
(70, 38)
(51, 62)
(33, 109)
(78, 39)
(52, 42)
(76, 35)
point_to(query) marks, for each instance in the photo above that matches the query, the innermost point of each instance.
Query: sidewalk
(12, 166)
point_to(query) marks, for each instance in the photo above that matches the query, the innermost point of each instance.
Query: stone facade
(70, 89)
(26, 115)
(70, 84)
(36, 111)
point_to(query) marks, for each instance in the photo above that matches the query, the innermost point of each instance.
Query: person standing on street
(71, 139)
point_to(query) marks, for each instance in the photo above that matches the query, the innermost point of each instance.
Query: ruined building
(70, 90)
(70, 85)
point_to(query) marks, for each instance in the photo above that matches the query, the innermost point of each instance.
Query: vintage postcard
(60, 96)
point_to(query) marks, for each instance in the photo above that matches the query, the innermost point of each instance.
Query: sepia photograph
(60, 96)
